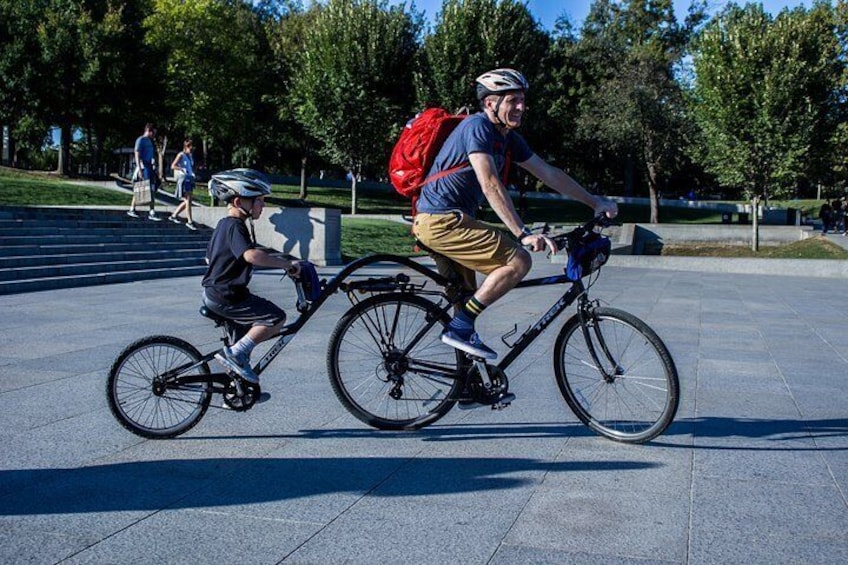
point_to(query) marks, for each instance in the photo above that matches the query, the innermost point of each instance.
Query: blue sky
(547, 11)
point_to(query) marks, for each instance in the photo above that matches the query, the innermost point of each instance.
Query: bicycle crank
(241, 396)
(489, 385)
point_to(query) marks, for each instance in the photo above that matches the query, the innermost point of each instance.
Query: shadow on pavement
(201, 483)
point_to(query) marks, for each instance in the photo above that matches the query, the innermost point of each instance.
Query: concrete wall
(313, 234)
(635, 238)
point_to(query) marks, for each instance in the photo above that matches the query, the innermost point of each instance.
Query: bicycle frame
(333, 286)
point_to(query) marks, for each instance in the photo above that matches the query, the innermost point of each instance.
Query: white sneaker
(191, 226)
(174, 219)
(132, 214)
(153, 217)
(240, 365)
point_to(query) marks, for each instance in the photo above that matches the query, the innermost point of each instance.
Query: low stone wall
(313, 234)
(637, 239)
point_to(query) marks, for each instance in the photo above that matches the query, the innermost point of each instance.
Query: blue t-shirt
(460, 190)
(187, 163)
(146, 150)
(228, 274)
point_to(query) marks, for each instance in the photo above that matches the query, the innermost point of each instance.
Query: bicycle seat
(207, 313)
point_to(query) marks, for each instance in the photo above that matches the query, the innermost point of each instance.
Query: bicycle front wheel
(143, 395)
(616, 375)
(388, 365)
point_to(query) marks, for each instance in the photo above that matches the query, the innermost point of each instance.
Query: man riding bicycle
(445, 224)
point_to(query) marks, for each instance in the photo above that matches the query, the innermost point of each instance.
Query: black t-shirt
(228, 274)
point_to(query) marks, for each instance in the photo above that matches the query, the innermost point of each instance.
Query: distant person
(825, 215)
(231, 255)
(183, 167)
(145, 169)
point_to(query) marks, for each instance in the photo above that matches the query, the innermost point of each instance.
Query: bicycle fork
(587, 318)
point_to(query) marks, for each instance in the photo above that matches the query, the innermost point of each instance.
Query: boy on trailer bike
(445, 224)
(231, 256)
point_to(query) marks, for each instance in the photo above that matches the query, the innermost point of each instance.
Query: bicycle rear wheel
(141, 392)
(388, 366)
(628, 390)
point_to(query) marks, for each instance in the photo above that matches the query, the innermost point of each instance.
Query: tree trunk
(352, 193)
(303, 178)
(653, 192)
(64, 162)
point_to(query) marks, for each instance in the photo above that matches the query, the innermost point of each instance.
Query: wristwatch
(525, 231)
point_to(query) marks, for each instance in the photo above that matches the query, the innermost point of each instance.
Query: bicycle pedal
(504, 401)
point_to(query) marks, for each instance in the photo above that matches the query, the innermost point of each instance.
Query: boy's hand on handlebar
(538, 242)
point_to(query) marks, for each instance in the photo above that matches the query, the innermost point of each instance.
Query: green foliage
(472, 37)
(765, 91)
(217, 60)
(350, 98)
(629, 99)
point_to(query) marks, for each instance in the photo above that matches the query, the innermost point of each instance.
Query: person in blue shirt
(145, 168)
(467, 170)
(183, 167)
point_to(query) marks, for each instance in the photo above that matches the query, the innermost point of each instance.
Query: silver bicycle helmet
(245, 183)
(500, 81)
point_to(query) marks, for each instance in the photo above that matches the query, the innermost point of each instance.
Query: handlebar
(565, 240)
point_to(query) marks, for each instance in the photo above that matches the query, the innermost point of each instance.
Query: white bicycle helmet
(246, 183)
(500, 81)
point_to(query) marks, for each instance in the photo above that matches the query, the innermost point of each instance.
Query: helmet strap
(498, 110)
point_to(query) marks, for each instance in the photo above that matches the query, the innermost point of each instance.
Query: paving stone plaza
(754, 469)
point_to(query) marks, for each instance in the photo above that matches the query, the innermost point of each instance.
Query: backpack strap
(435, 177)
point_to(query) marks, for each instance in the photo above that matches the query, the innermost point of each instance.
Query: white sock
(244, 346)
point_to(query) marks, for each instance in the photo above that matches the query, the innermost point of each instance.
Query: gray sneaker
(132, 214)
(239, 364)
(191, 226)
(174, 219)
(152, 215)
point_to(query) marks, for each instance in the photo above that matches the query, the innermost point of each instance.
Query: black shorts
(253, 311)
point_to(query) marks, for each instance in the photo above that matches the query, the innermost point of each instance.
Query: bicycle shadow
(771, 430)
(438, 432)
(215, 482)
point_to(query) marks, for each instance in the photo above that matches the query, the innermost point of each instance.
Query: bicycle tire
(372, 378)
(145, 406)
(640, 401)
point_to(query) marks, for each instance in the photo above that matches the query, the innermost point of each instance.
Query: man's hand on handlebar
(604, 206)
(538, 242)
(294, 269)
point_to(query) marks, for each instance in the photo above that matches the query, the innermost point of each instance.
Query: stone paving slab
(754, 469)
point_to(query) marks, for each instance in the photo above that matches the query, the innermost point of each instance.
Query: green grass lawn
(810, 248)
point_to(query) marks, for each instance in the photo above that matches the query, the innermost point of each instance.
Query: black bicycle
(161, 386)
(389, 368)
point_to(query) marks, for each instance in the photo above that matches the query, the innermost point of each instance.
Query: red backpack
(415, 151)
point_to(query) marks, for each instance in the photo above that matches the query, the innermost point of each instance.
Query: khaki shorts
(473, 245)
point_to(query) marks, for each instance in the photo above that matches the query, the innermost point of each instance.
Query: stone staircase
(45, 248)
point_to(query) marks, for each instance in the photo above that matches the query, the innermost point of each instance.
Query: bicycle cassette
(250, 394)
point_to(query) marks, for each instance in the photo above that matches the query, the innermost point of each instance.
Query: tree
(765, 95)
(472, 37)
(355, 77)
(631, 101)
(286, 32)
(216, 66)
(74, 37)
